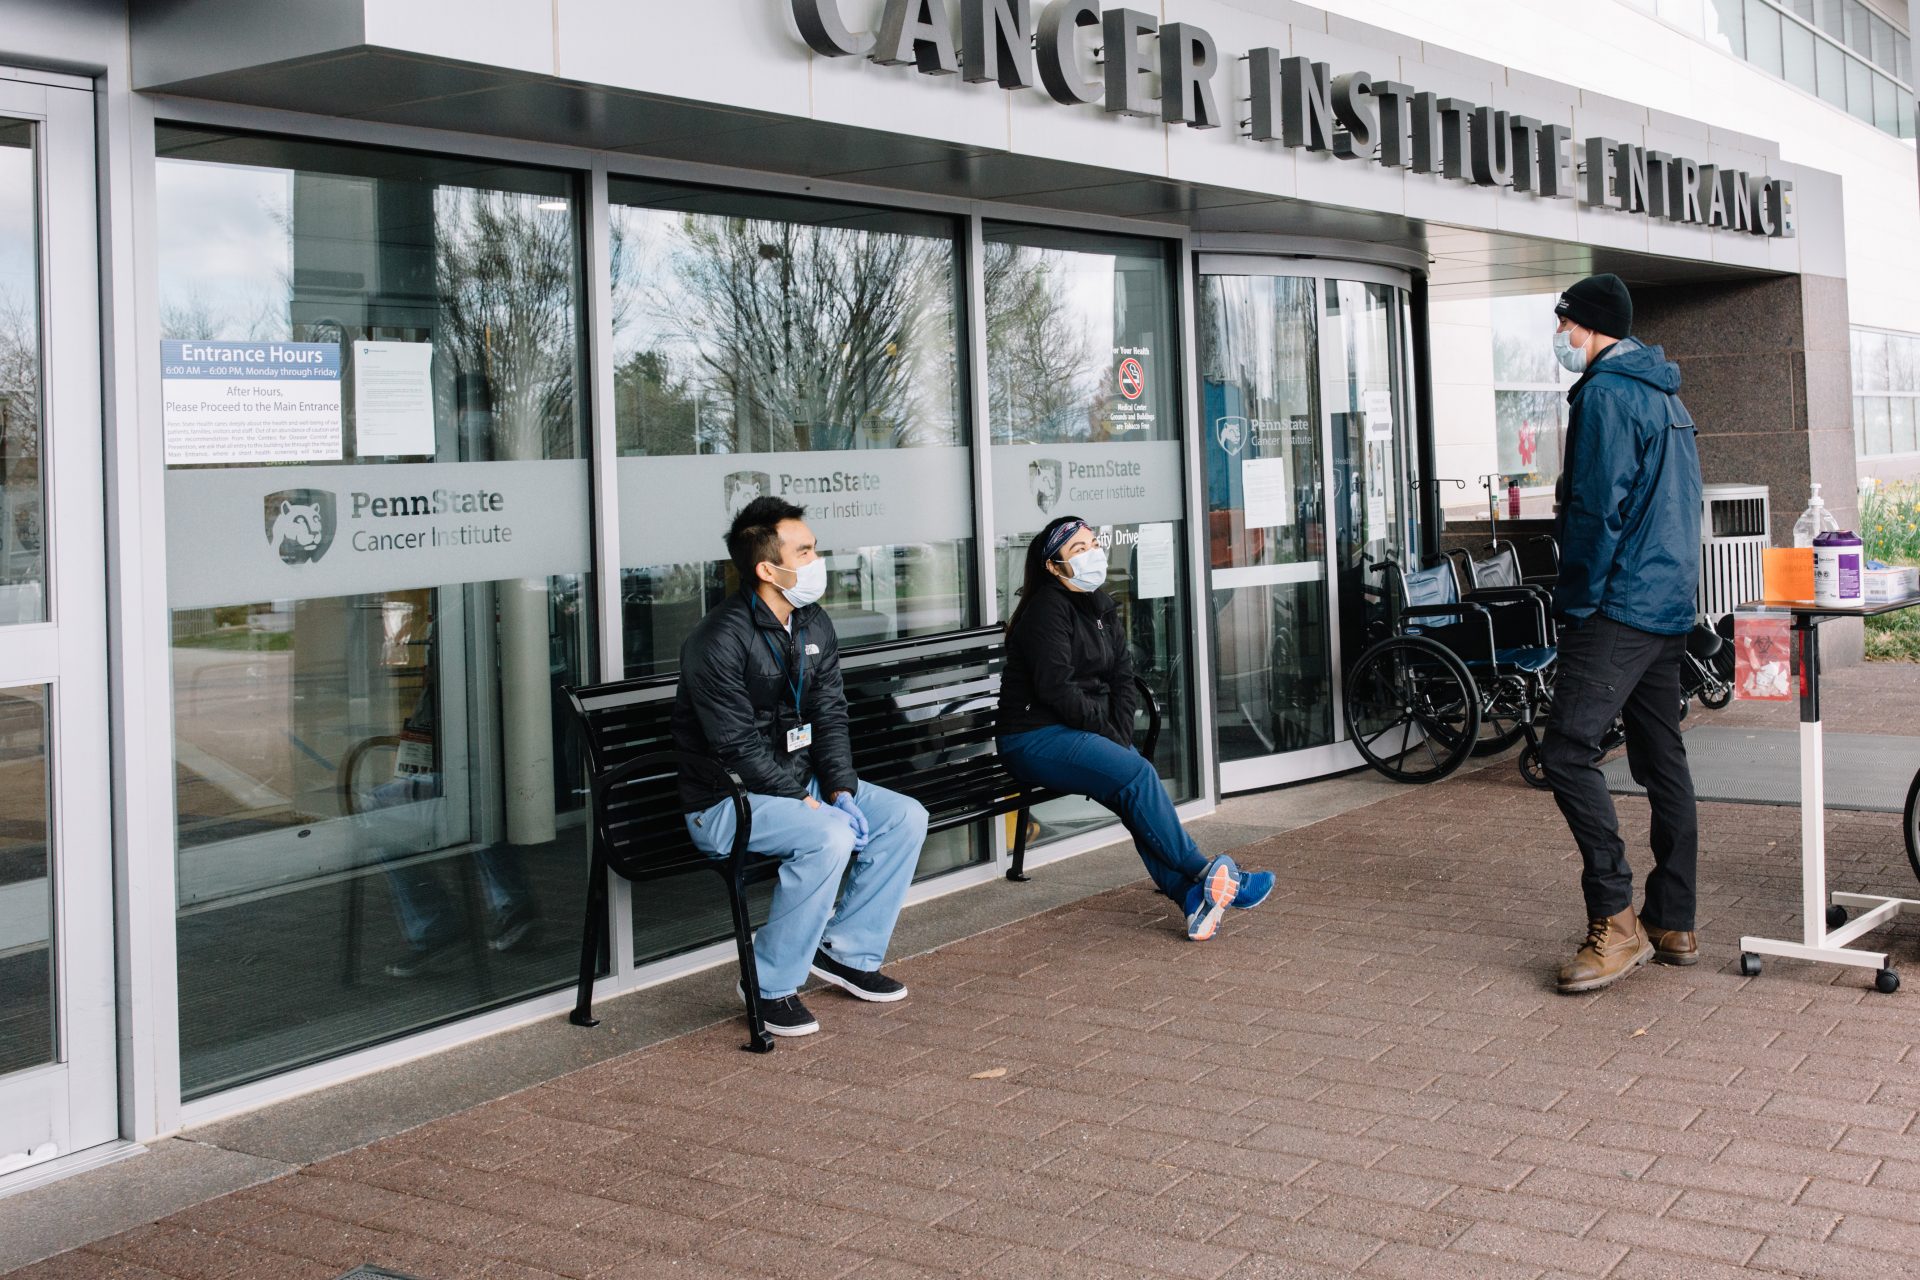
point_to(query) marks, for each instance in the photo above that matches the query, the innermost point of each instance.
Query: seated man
(760, 691)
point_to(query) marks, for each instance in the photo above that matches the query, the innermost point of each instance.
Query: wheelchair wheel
(1499, 729)
(1413, 709)
(1532, 770)
(1910, 825)
(1716, 699)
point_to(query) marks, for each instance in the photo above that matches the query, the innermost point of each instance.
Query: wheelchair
(1460, 670)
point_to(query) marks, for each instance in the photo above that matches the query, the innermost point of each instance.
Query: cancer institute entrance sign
(1298, 103)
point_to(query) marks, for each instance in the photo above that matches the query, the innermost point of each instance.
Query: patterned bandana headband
(1062, 536)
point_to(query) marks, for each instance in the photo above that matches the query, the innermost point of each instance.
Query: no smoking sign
(1133, 378)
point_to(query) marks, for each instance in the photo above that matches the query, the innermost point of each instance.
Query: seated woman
(1066, 722)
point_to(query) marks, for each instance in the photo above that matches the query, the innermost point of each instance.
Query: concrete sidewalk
(1371, 1074)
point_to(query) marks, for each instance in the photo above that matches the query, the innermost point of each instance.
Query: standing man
(760, 691)
(1629, 532)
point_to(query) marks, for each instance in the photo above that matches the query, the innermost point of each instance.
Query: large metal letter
(1601, 193)
(1687, 183)
(1659, 185)
(1785, 224)
(821, 27)
(1127, 64)
(1760, 202)
(1267, 90)
(1396, 101)
(1060, 70)
(1188, 60)
(916, 31)
(1358, 114)
(1521, 132)
(1427, 150)
(1456, 149)
(996, 42)
(1739, 213)
(1716, 195)
(1492, 148)
(1630, 177)
(1307, 105)
(1553, 155)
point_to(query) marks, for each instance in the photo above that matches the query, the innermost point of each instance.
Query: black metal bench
(922, 716)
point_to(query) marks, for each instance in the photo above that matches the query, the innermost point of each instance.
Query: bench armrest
(656, 762)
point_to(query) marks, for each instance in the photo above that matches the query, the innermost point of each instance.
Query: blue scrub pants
(1082, 763)
(815, 848)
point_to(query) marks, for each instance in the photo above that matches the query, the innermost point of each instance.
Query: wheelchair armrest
(1474, 622)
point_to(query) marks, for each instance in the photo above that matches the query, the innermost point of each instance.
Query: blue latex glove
(855, 819)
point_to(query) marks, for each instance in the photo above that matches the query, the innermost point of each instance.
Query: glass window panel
(1858, 35)
(1902, 353)
(1830, 65)
(1859, 427)
(1903, 57)
(1870, 348)
(29, 1036)
(1829, 16)
(1796, 55)
(22, 555)
(1083, 377)
(1685, 14)
(1886, 108)
(1901, 410)
(1903, 111)
(378, 790)
(1880, 34)
(1727, 27)
(1523, 342)
(770, 345)
(1763, 36)
(1859, 89)
(1531, 428)
(1879, 426)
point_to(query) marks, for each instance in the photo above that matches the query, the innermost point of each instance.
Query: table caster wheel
(1836, 916)
(1749, 964)
(1886, 982)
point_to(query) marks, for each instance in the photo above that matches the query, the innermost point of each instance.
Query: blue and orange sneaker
(1254, 888)
(1208, 898)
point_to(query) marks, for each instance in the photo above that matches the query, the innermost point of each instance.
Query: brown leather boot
(1673, 946)
(1615, 946)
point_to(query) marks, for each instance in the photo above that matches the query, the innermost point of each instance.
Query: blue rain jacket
(1628, 522)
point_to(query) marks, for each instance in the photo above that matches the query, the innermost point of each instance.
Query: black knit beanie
(1600, 303)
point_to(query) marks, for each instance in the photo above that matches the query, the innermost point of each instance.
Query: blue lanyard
(799, 689)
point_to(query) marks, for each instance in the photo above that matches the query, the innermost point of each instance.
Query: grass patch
(1890, 528)
(238, 640)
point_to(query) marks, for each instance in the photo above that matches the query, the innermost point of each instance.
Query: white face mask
(810, 583)
(1089, 568)
(1573, 359)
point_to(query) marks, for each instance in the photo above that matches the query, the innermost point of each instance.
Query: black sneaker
(875, 986)
(783, 1017)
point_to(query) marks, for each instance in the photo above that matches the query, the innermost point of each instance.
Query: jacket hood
(1632, 358)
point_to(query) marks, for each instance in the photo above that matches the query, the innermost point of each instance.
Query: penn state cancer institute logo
(1043, 481)
(742, 487)
(300, 524)
(1231, 431)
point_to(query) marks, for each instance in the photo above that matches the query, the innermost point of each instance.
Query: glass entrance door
(1303, 387)
(57, 1072)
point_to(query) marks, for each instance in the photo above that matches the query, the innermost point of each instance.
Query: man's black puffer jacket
(1067, 663)
(735, 701)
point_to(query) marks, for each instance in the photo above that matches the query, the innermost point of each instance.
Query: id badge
(799, 738)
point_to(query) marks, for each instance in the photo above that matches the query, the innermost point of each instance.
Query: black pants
(1607, 668)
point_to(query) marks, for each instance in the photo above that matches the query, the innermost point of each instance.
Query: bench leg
(1018, 871)
(582, 1015)
(758, 1039)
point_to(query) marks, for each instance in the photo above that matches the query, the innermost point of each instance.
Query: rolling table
(1826, 931)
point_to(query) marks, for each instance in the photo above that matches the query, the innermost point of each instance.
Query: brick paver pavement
(1370, 1075)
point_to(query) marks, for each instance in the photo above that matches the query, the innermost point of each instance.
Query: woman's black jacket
(1067, 663)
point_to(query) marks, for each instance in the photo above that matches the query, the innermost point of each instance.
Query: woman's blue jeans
(1082, 763)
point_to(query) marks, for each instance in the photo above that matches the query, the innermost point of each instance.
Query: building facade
(378, 368)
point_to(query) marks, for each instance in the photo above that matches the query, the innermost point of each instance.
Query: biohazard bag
(1763, 655)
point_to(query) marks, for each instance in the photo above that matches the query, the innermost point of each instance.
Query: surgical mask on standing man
(1573, 359)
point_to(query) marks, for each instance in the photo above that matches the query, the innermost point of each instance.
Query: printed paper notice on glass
(393, 399)
(1379, 410)
(225, 402)
(1153, 562)
(1266, 493)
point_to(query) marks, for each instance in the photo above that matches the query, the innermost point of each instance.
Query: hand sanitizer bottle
(1814, 521)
